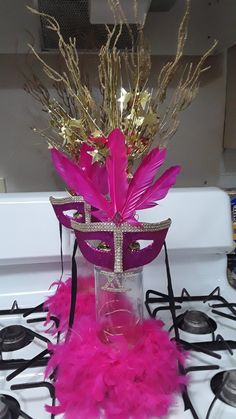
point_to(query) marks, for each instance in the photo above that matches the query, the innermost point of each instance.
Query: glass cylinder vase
(119, 304)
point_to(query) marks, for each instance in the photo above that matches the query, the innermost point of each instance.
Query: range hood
(209, 20)
(100, 12)
(85, 20)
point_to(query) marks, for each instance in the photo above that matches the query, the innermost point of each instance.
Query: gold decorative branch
(126, 101)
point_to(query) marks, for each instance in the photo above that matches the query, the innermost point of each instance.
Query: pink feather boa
(58, 305)
(120, 380)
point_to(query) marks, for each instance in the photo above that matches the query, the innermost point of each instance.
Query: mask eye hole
(73, 214)
(77, 215)
(98, 245)
(139, 245)
(134, 246)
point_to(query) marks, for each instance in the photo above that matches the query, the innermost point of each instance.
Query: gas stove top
(24, 392)
(195, 302)
(205, 326)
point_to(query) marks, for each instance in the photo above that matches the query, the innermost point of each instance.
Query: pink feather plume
(159, 189)
(95, 171)
(116, 164)
(78, 180)
(125, 199)
(143, 179)
(85, 159)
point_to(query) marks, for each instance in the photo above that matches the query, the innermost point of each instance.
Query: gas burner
(196, 322)
(14, 337)
(9, 407)
(226, 380)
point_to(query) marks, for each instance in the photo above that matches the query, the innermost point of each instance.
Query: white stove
(28, 388)
(197, 243)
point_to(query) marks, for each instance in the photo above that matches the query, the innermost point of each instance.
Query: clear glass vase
(119, 304)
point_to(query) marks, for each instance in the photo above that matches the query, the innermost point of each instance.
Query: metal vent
(161, 5)
(73, 18)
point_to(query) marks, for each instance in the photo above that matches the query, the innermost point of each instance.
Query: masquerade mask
(119, 253)
(82, 211)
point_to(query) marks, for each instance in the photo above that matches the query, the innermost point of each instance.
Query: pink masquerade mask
(118, 232)
(81, 210)
(119, 254)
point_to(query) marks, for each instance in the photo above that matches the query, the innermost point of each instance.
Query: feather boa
(58, 305)
(119, 380)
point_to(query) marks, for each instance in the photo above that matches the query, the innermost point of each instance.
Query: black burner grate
(164, 302)
(217, 343)
(10, 408)
(14, 337)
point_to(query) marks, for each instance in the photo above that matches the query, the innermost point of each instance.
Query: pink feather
(159, 189)
(143, 178)
(76, 179)
(90, 180)
(122, 380)
(95, 171)
(98, 175)
(85, 159)
(116, 164)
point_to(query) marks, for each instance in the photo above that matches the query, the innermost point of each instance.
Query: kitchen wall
(228, 169)
(24, 158)
(228, 161)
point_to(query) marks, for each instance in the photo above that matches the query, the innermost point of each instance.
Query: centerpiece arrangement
(111, 362)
